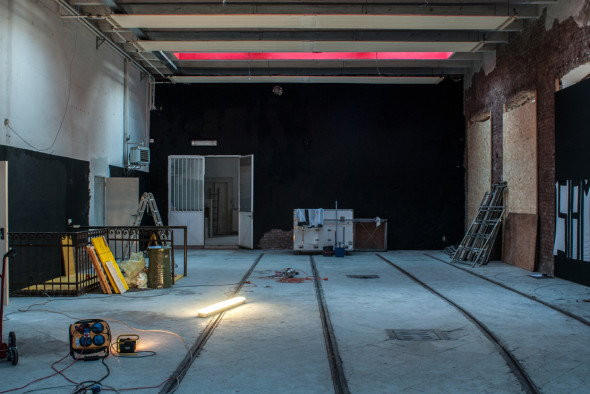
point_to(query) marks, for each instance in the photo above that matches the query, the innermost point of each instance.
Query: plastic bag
(142, 280)
(133, 266)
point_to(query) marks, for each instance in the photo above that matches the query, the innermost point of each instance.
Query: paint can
(159, 270)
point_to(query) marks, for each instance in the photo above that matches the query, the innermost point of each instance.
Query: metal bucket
(339, 252)
(159, 268)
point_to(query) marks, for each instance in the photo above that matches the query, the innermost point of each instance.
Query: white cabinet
(337, 231)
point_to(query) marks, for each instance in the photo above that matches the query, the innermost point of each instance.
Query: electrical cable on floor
(47, 389)
(288, 275)
(4, 318)
(114, 295)
(89, 384)
(29, 308)
(58, 372)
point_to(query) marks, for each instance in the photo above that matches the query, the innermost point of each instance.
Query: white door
(246, 225)
(121, 200)
(4, 222)
(186, 192)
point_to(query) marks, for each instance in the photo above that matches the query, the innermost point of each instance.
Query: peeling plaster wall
(479, 173)
(546, 50)
(520, 159)
(64, 97)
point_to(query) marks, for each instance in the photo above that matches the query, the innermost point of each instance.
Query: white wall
(54, 82)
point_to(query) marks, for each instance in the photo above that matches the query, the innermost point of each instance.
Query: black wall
(45, 190)
(572, 169)
(390, 151)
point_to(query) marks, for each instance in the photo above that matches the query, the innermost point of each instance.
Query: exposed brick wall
(276, 239)
(532, 60)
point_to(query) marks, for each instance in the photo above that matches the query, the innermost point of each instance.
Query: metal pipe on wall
(126, 136)
(98, 33)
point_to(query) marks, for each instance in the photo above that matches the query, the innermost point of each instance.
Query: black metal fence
(57, 264)
(124, 240)
(54, 264)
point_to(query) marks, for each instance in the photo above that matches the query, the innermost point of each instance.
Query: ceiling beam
(315, 22)
(463, 35)
(374, 70)
(304, 46)
(324, 64)
(307, 79)
(357, 8)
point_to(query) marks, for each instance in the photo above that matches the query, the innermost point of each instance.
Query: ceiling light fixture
(313, 55)
(204, 143)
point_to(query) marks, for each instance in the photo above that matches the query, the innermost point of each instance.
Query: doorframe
(238, 157)
(247, 216)
(4, 225)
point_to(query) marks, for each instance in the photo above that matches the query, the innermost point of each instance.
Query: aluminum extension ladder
(148, 202)
(478, 241)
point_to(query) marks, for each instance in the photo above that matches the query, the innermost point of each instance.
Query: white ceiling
(150, 31)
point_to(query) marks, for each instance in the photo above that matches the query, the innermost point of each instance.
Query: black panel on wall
(390, 151)
(572, 150)
(45, 190)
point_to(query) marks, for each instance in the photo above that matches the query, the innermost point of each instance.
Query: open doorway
(213, 197)
(221, 201)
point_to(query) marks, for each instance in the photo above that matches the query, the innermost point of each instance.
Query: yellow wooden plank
(98, 269)
(110, 265)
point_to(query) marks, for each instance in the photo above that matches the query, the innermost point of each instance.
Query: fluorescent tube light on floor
(221, 306)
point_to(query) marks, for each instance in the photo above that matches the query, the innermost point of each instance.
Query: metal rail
(182, 369)
(140, 237)
(517, 370)
(555, 308)
(336, 368)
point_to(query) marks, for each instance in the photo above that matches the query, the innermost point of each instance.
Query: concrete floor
(275, 343)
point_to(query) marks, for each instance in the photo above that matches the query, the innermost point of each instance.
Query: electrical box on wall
(139, 155)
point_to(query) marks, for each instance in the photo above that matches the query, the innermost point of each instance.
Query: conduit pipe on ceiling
(98, 33)
(138, 51)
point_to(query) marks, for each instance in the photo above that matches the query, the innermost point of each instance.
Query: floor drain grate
(417, 335)
(363, 276)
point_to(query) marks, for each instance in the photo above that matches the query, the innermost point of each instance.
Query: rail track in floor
(515, 367)
(183, 367)
(336, 367)
(555, 308)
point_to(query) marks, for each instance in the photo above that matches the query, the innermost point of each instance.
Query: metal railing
(57, 264)
(54, 264)
(124, 240)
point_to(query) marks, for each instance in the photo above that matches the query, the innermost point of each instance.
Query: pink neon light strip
(314, 56)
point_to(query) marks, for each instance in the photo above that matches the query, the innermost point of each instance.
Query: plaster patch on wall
(479, 165)
(520, 158)
(562, 10)
(519, 100)
(576, 75)
(489, 62)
